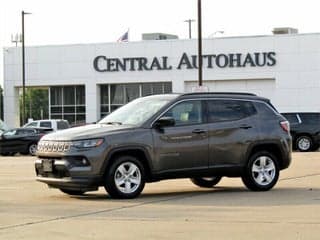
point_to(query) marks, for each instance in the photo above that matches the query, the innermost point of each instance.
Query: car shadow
(219, 196)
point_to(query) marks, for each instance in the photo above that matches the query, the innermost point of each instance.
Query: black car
(305, 130)
(21, 140)
(202, 136)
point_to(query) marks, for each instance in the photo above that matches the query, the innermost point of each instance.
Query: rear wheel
(125, 178)
(262, 172)
(72, 192)
(304, 144)
(206, 182)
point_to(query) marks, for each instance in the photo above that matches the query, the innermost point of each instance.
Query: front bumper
(66, 174)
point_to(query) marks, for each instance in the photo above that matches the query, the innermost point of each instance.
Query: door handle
(245, 126)
(199, 131)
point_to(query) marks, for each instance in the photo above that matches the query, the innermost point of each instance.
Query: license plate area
(47, 165)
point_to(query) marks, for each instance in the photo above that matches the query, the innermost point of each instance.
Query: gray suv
(202, 136)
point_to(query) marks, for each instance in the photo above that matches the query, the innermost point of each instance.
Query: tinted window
(229, 110)
(265, 110)
(310, 118)
(32, 124)
(292, 118)
(62, 125)
(45, 124)
(186, 113)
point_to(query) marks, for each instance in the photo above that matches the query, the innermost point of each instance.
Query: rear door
(184, 146)
(232, 128)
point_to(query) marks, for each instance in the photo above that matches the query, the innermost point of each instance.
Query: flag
(124, 37)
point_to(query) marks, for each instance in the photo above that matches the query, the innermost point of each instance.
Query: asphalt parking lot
(174, 209)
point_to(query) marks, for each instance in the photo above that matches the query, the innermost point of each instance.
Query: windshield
(137, 111)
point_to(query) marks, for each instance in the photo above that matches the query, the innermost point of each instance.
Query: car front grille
(53, 146)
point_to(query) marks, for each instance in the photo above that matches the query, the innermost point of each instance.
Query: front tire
(261, 172)
(32, 149)
(125, 178)
(206, 182)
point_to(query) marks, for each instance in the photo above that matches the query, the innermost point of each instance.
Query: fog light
(84, 161)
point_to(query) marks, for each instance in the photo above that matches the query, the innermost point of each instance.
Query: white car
(3, 127)
(55, 124)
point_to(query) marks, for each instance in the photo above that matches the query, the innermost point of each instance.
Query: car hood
(85, 132)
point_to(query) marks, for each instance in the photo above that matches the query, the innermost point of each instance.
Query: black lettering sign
(231, 60)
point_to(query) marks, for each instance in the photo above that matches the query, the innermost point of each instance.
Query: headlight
(87, 143)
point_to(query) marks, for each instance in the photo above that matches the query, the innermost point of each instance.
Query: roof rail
(221, 93)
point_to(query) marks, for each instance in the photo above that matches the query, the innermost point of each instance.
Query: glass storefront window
(68, 102)
(121, 94)
(68, 95)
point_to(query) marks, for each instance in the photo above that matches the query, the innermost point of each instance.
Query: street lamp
(189, 21)
(23, 70)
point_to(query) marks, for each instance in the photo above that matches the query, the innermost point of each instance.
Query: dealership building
(87, 81)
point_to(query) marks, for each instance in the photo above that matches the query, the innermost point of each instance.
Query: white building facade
(86, 81)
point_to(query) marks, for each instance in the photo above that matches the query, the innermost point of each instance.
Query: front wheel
(206, 182)
(262, 172)
(32, 149)
(125, 178)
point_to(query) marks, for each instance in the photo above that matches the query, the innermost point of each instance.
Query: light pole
(23, 70)
(189, 21)
(199, 44)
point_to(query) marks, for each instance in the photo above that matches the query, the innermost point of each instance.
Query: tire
(206, 182)
(32, 149)
(304, 143)
(122, 183)
(261, 172)
(72, 192)
(8, 154)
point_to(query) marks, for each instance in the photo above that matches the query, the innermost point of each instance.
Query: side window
(62, 125)
(265, 110)
(229, 110)
(313, 118)
(32, 124)
(292, 118)
(186, 113)
(45, 124)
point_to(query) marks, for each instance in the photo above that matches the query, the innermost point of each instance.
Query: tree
(37, 104)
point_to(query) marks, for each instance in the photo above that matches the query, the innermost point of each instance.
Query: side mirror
(164, 122)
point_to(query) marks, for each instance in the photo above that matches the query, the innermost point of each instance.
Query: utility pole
(189, 21)
(23, 71)
(199, 44)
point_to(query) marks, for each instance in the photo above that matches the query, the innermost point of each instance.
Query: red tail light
(285, 125)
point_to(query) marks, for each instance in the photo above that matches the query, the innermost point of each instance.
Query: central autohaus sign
(232, 60)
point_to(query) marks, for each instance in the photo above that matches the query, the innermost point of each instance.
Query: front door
(184, 146)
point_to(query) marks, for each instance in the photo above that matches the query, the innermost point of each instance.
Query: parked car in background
(21, 140)
(305, 130)
(3, 126)
(55, 124)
